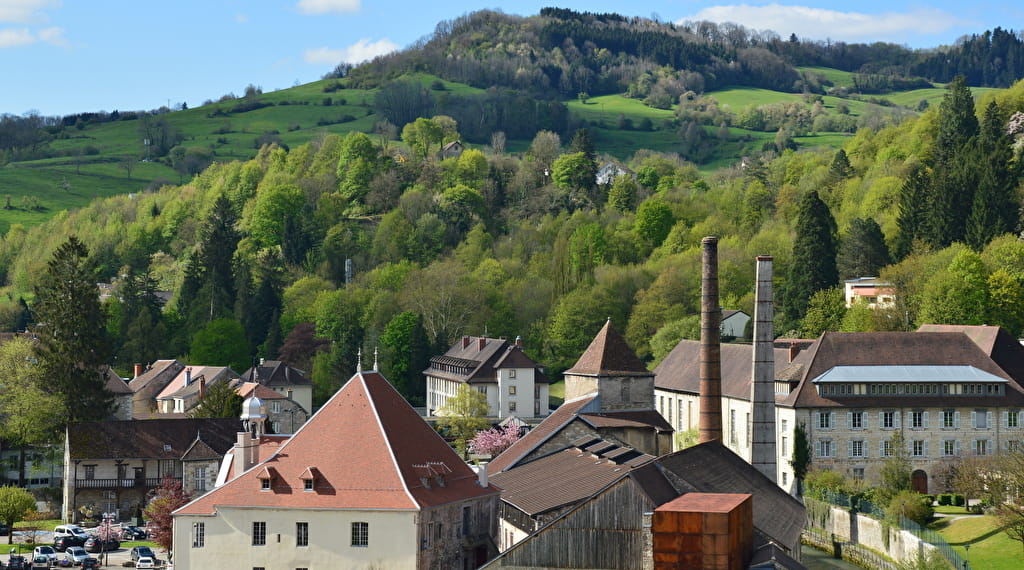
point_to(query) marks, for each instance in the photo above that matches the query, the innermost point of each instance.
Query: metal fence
(850, 551)
(861, 505)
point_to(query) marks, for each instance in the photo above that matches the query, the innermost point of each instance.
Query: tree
(166, 499)
(495, 440)
(421, 135)
(73, 346)
(622, 194)
(994, 211)
(406, 352)
(911, 505)
(220, 400)
(813, 266)
(951, 193)
(959, 295)
(654, 220)
(271, 209)
(910, 221)
(15, 504)
(462, 415)
(801, 460)
(863, 251)
(221, 343)
(574, 172)
(26, 407)
(301, 345)
(896, 473)
(825, 312)
(1011, 519)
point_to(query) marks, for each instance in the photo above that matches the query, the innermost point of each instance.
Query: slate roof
(246, 389)
(159, 371)
(541, 486)
(557, 420)
(114, 383)
(372, 450)
(149, 439)
(474, 359)
(276, 373)
(891, 349)
(711, 467)
(608, 354)
(630, 418)
(998, 344)
(181, 387)
(680, 370)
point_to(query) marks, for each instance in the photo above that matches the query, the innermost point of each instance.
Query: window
(466, 518)
(981, 447)
(948, 419)
(512, 373)
(888, 420)
(980, 419)
(122, 471)
(1014, 446)
(917, 448)
(511, 390)
(264, 484)
(949, 447)
(90, 471)
(885, 449)
(259, 534)
(200, 475)
(275, 407)
(917, 419)
(1012, 419)
(302, 534)
(825, 448)
(785, 478)
(360, 534)
(198, 535)
(307, 484)
(785, 446)
(825, 420)
(858, 472)
(857, 448)
(732, 427)
(511, 406)
(856, 420)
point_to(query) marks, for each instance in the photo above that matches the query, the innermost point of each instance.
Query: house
(283, 379)
(122, 394)
(112, 465)
(284, 415)
(948, 394)
(513, 383)
(184, 391)
(452, 150)
(609, 171)
(148, 382)
(871, 290)
(365, 482)
(609, 394)
(609, 529)
(734, 323)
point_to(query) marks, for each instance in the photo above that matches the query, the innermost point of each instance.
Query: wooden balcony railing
(120, 483)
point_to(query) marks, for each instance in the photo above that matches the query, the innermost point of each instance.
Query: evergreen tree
(406, 353)
(813, 266)
(209, 289)
(863, 251)
(840, 167)
(911, 219)
(994, 211)
(951, 194)
(73, 345)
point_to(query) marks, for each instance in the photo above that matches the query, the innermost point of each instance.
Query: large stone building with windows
(949, 391)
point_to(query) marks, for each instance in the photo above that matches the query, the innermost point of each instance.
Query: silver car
(76, 554)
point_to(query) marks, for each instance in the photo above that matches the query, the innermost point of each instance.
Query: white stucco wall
(393, 539)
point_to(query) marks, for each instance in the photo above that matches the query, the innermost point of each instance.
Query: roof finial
(359, 360)
(375, 358)
(609, 319)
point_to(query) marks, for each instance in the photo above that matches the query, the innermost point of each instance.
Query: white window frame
(360, 534)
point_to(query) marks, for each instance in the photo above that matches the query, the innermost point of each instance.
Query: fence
(851, 551)
(858, 505)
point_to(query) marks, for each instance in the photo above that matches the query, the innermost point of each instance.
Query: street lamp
(967, 557)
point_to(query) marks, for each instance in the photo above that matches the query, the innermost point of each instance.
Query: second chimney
(710, 346)
(762, 385)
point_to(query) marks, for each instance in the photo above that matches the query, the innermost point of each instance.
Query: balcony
(121, 483)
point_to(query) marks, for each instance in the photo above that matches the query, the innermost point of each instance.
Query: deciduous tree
(15, 504)
(166, 499)
(463, 415)
(27, 414)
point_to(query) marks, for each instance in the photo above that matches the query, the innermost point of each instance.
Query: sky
(61, 57)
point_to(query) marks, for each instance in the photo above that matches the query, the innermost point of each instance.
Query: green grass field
(990, 547)
(837, 77)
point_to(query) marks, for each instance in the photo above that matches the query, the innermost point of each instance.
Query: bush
(912, 505)
(945, 499)
(958, 500)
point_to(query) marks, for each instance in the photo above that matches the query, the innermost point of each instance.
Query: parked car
(75, 554)
(16, 562)
(140, 551)
(97, 544)
(41, 563)
(133, 533)
(46, 551)
(90, 562)
(69, 530)
(146, 562)
(3, 529)
(63, 543)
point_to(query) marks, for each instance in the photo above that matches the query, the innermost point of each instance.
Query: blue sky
(64, 56)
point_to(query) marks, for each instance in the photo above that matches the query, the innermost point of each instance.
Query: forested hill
(561, 53)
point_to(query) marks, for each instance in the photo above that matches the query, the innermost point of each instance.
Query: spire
(375, 359)
(359, 360)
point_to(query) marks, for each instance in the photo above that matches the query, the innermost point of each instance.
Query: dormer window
(266, 476)
(309, 477)
(264, 484)
(307, 485)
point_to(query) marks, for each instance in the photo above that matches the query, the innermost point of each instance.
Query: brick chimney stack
(710, 345)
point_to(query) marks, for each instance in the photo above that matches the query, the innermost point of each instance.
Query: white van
(69, 530)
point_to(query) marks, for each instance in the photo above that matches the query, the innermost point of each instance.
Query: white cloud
(54, 36)
(25, 11)
(328, 6)
(819, 24)
(11, 37)
(356, 53)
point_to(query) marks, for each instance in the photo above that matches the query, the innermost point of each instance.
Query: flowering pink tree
(495, 440)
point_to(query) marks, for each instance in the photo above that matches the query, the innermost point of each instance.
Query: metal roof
(906, 373)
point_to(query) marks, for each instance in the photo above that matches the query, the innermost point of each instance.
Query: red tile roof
(246, 389)
(370, 449)
(608, 354)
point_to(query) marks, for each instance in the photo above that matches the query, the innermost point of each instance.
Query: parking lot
(113, 559)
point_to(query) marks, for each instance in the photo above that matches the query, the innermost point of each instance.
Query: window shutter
(849, 448)
(849, 420)
(956, 419)
(881, 448)
(956, 447)
(926, 419)
(926, 448)
(817, 449)
(881, 421)
(974, 420)
(832, 420)
(988, 418)
(896, 415)
(1006, 419)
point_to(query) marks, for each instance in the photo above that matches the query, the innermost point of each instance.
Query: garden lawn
(990, 546)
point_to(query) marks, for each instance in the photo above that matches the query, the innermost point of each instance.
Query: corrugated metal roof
(898, 373)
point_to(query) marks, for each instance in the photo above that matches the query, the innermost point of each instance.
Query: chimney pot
(794, 349)
(202, 387)
(519, 342)
(465, 342)
(188, 375)
(138, 370)
(482, 342)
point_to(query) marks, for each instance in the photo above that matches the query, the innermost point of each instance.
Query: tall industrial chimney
(710, 346)
(762, 385)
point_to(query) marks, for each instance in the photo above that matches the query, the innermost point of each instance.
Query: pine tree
(994, 211)
(952, 191)
(813, 266)
(912, 211)
(863, 251)
(73, 345)
(840, 167)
